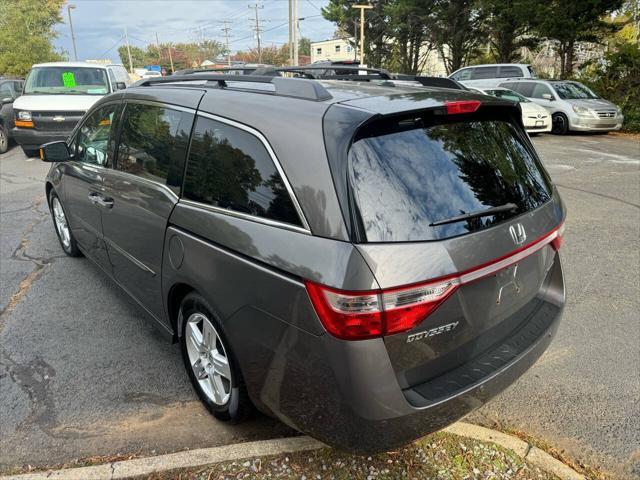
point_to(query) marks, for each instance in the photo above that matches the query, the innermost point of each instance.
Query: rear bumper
(347, 394)
(31, 139)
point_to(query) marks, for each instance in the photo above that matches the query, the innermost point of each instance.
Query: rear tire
(30, 152)
(560, 124)
(210, 362)
(60, 222)
(4, 139)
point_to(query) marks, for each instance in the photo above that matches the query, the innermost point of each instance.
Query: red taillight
(373, 313)
(356, 315)
(462, 106)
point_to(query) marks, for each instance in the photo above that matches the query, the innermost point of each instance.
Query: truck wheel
(4, 139)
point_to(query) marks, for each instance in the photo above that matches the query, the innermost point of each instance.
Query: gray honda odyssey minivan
(367, 263)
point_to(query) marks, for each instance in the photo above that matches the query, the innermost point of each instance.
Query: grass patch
(440, 456)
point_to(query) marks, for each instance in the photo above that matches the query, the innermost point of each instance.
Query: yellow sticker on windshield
(105, 122)
(68, 79)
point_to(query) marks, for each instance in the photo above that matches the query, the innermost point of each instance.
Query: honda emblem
(518, 235)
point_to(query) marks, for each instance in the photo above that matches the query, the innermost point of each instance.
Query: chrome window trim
(305, 225)
(154, 103)
(245, 216)
(152, 183)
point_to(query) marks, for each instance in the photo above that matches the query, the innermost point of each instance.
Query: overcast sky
(99, 24)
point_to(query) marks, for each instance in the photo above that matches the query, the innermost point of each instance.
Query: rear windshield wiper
(507, 207)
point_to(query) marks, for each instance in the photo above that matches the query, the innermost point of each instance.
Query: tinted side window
(153, 143)
(463, 75)
(523, 88)
(95, 139)
(540, 89)
(480, 73)
(231, 169)
(6, 90)
(510, 72)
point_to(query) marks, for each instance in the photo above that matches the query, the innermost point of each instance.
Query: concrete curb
(141, 467)
(531, 454)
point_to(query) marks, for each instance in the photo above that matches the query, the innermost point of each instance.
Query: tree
(408, 22)
(377, 48)
(571, 21)
(304, 46)
(509, 24)
(457, 31)
(26, 34)
(138, 56)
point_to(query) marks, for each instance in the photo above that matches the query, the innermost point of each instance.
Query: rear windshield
(406, 175)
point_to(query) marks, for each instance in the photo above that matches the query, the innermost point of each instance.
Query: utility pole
(171, 58)
(258, 29)
(291, 33)
(73, 36)
(362, 9)
(158, 47)
(295, 32)
(226, 31)
(126, 36)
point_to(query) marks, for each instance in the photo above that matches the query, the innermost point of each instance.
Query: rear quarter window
(403, 179)
(231, 169)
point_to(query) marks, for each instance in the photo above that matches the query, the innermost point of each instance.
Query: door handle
(100, 200)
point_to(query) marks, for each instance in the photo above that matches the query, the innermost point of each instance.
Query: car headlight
(582, 111)
(24, 115)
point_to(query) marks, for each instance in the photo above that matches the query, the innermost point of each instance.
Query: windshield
(573, 91)
(67, 81)
(508, 95)
(409, 175)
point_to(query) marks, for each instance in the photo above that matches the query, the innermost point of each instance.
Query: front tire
(210, 363)
(65, 236)
(4, 139)
(560, 124)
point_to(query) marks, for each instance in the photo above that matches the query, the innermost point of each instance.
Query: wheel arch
(47, 188)
(177, 292)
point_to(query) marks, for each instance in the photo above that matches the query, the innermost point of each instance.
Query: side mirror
(55, 152)
(6, 100)
(121, 85)
(547, 96)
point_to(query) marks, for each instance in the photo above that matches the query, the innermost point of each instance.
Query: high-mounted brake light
(462, 106)
(357, 315)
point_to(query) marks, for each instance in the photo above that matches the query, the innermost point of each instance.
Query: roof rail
(309, 71)
(440, 82)
(288, 87)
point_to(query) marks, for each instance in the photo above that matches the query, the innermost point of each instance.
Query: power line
(226, 31)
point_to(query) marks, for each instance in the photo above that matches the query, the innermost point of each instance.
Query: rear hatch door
(438, 196)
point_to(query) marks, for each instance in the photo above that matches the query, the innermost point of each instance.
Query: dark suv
(366, 263)
(10, 89)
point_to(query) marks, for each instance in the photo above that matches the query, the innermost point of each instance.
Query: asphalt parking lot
(83, 374)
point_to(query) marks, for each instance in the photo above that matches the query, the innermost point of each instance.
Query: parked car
(151, 74)
(366, 263)
(10, 89)
(536, 119)
(572, 105)
(55, 97)
(487, 76)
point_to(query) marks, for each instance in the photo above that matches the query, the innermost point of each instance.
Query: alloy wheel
(208, 358)
(61, 223)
